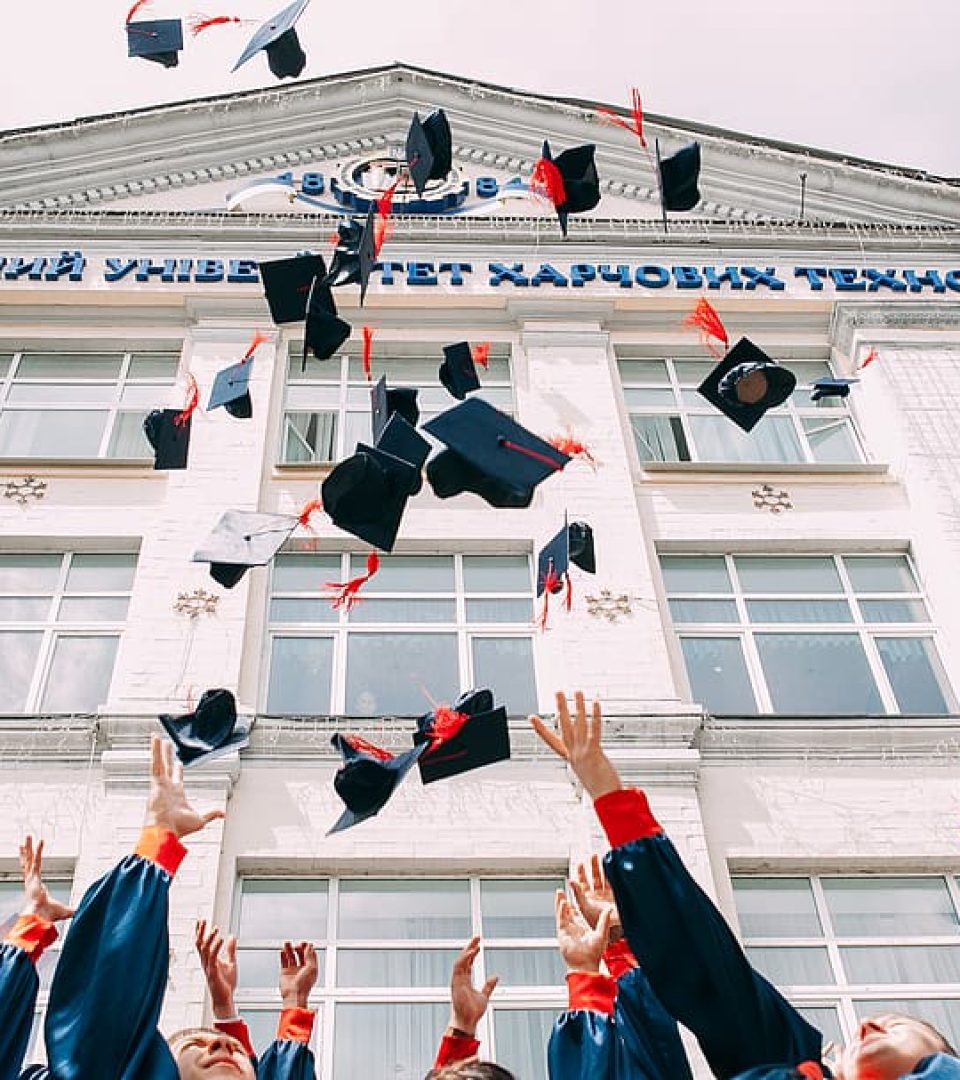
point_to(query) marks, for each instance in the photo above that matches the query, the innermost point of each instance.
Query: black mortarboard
(279, 38)
(746, 383)
(679, 175)
(242, 539)
(209, 731)
(286, 285)
(159, 40)
(458, 372)
(470, 734)
(429, 149)
(231, 389)
(324, 331)
(384, 402)
(581, 184)
(572, 544)
(831, 387)
(367, 778)
(168, 432)
(489, 454)
(345, 261)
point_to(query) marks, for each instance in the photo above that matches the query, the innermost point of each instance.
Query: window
(425, 629)
(386, 948)
(81, 405)
(11, 902)
(61, 616)
(672, 422)
(815, 635)
(327, 407)
(843, 947)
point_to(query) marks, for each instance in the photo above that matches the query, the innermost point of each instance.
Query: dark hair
(470, 1070)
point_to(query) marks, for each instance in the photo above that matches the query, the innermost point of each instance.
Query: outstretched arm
(467, 1007)
(218, 959)
(289, 1056)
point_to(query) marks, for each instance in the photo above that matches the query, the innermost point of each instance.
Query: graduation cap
(570, 181)
(279, 38)
(468, 735)
(168, 432)
(458, 372)
(368, 777)
(829, 387)
(159, 40)
(429, 149)
(286, 285)
(384, 402)
(209, 731)
(489, 454)
(678, 176)
(242, 539)
(231, 387)
(324, 331)
(746, 383)
(355, 255)
(572, 544)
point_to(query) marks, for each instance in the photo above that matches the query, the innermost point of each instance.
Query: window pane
(902, 964)
(154, 366)
(818, 674)
(505, 665)
(101, 573)
(693, 372)
(399, 673)
(526, 967)
(404, 910)
(799, 611)
(796, 574)
(304, 573)
(499, 611)
(404, 611)
(142, 397)
(309, 436)
(302, 610)
(793, 966)
(127, 439)
(942, 1013)
(24, 608)
(695, 574)
(880, 573)
(32, 574)
(395, 967)
(18, 657)
(270, 907)
(35, 433)
(496, 574)
(890, 906)
(894, 611)
(68, 365)
(262, 1024)
(912, 668)
(717, 439)
(512, 909)
(824, 1019)
(77, 609)
(637, 399)
(522, 1036)
(396, 1040)
(80, 674)
(704, 611)
(660, 438)
(831, 440)
(409, 574)
(61, 393)
(718, 675)
(643, 371)
(300, 675)
(776, 907)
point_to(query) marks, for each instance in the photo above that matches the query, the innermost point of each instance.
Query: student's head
(471, 1070)
(890, 1046)
(208, 1054)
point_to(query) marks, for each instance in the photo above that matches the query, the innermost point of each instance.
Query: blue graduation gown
(18, 995)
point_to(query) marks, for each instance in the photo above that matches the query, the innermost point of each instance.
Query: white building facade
(773, 628)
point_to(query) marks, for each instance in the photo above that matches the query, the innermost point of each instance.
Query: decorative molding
(129, 770)
(25, 488)
(196, 603)
(878, 317)
(608, 605)
(768, 498)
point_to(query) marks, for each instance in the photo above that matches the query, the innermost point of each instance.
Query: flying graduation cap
(570, 181)
(210, 730)
(168, 431)
(458, 372)
(572, 544)
(429, 149)
(458, 739)
(385, 401)
(355, 255)
(286, 285)
(159, 40)
(368, 778)
(831, 388)
(231, 387)
(324, 331)
(679, 177)
(278, 37)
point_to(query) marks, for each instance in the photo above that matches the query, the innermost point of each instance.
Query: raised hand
(581, 945)
(578, 742)
(218, 958)
(298, 973)
(467, 1003)
(593, 895)
(167, 805)
(37, 901)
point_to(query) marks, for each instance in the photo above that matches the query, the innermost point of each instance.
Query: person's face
(887, 1047)
(209, 1056)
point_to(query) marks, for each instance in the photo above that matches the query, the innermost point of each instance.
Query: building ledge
(99, 467)
(684, 471)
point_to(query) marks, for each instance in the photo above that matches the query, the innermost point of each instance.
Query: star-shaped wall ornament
(609, 605)
(24, 489)
(196, 603)
(767, 498)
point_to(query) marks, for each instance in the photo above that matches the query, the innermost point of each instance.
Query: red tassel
(568, 599)
(705, 317)
(869, 358)
(335, 239)
(382, 226)
(572, 447)
(367, 352)
(636, 116)
(136, 7)
(258, 339)
(547, 181)
(303, 518)
(535, 454)
(551, 583)
(446, 725)
(365, 747)
(193, 400)
(481, 353)
(346, 595)
(199, 23)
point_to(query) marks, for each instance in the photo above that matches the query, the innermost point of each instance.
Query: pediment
(311, 147)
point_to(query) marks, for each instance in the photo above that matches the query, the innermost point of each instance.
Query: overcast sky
(873, 78)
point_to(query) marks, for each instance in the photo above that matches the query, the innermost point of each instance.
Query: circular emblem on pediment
(362, 181)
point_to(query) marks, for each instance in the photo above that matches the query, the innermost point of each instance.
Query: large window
(843, 948)
(327, 407)
(61, 616)
(672, 422)
(386, 948)
(81, 405)
(816, 635)
(426, 628)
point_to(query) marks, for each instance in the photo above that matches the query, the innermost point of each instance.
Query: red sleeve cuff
(455, 1048)
(239, 1030)
(33, 935)
(591, 990)
(619, 958)
(811, 1070)
(162, 847)
(625, 816)
(296, 1024)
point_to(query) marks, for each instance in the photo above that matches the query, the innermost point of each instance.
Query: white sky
(873, 78)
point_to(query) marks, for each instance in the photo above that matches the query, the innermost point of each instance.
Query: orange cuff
(455, 1048)
(619, 958)
(239, 1030)
(296, 1024)
(591, 990)
(32, 934)
(162, 847)
(811, 1070)
(625, 816)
